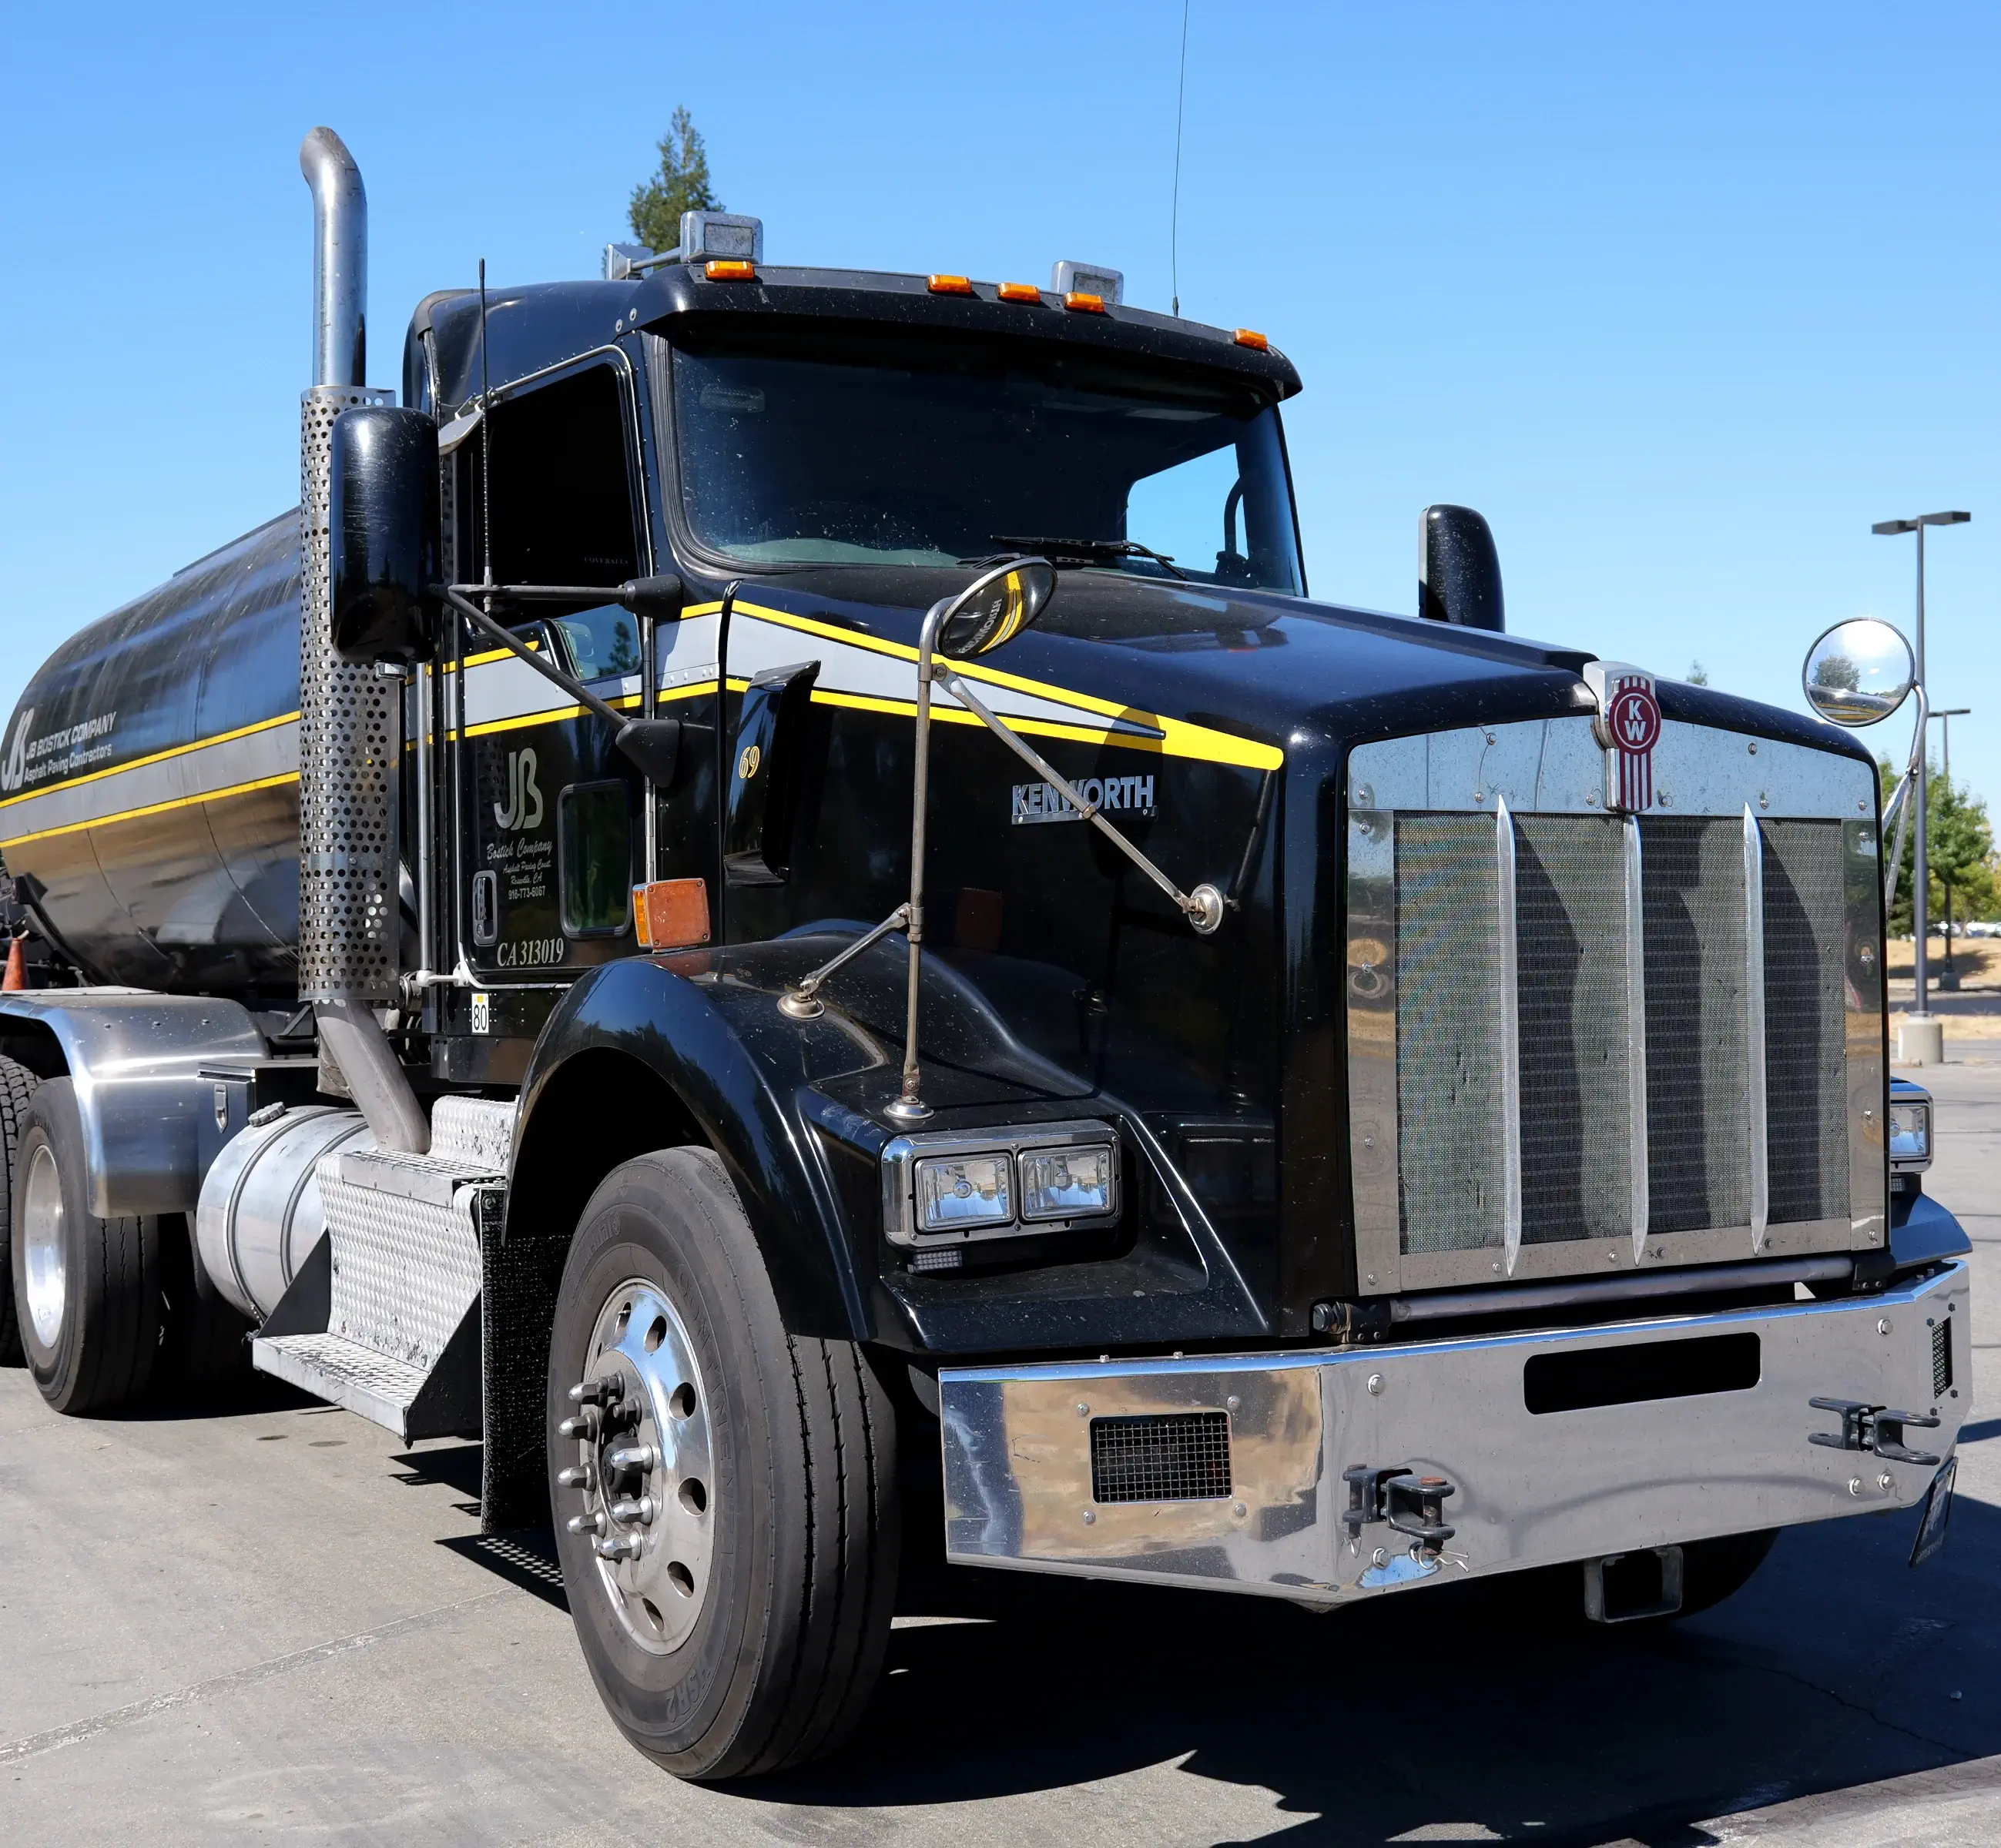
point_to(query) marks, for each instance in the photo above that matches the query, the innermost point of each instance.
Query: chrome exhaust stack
(350, 717)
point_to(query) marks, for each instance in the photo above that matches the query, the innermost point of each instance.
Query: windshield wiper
(1070, 553)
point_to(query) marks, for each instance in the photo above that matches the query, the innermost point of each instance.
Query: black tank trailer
(149, 789)
(859, 942)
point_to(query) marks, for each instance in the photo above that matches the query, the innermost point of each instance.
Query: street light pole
(1921, 868)
(1945, 718)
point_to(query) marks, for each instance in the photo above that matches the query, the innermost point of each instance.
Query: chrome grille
(1578, 1039)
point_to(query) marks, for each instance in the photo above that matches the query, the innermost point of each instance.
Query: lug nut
(640, 1511)
(578, 1476)
(633, 1456)
(593, 1523)
(593, 1392)
(625, 1546)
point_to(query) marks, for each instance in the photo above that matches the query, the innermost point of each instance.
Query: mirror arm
(1899, 804)
(515, 645)
(801, 1001)
(1203, 907)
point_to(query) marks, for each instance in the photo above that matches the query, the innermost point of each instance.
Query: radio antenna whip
(486, 440)
(1174, 216)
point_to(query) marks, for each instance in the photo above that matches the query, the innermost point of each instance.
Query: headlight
(1910, 1132)
(966, 1191)
(942, 1189)
(1065, 1183)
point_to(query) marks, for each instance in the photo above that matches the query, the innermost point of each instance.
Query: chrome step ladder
(384, 1316)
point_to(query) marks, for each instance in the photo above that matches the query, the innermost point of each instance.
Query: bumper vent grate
(1162, 1456)
(1941, 1358)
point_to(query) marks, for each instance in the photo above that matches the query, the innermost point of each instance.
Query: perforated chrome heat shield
(349, 741)
(1581, 1042)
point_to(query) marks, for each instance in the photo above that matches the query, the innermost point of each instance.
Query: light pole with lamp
(1929, 1047)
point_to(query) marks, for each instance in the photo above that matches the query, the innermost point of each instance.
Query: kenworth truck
(773, 889)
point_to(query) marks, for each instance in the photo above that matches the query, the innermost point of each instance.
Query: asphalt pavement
(275, 1622)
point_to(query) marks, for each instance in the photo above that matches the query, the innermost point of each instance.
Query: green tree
(1698, 674)
(1960, 849)
(680, 185)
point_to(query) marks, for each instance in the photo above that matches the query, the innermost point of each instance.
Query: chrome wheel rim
(44, 1266)
(643, 1481)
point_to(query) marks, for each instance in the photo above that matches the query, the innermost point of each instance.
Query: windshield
(827, 446)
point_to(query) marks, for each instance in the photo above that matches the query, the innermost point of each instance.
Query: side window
(594, 851)
(563, 509)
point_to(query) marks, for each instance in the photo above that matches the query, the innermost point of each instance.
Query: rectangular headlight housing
(957, 1194)
(1066, 1183)
(1911, 1133)
(944, 1187)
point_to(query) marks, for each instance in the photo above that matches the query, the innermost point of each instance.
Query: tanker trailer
(775, 893)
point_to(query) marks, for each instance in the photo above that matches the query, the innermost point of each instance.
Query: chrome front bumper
(1530, 1488)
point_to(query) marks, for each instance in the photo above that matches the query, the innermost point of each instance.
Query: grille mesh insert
(1570, 873)
(1160, 1457)
(1942, 1359)
(1449, 1097)
(1805, 1054)
(1698, 1172)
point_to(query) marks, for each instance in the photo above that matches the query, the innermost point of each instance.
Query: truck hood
(1283, 672)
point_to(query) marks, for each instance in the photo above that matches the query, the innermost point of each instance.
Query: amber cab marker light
(951, 285)
(1250, 337)
(1083, 302)
(730, 269)
(1020, 292)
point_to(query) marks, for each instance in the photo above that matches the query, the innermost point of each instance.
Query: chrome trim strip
(1754, 1027)
(1370, 978)
(1511, 1032)
(1636, 1038)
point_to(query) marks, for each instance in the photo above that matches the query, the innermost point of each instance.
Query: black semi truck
(774, 886)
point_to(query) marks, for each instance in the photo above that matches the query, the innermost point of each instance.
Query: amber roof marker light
(729, 269)
(1250, 337)
(1081, 301)
(949, 285)
(1019, 292)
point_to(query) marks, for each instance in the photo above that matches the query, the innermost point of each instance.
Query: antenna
(1174, 218)
(485, 440)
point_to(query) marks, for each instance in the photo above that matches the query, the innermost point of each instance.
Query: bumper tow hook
(1877, 1428)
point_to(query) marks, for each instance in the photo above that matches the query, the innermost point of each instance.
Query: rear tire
(86, 1290)
(786, 1555)
(17, 1085)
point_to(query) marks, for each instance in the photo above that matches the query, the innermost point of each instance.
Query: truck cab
(855, 930)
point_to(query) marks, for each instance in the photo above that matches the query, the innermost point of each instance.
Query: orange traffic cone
(17, 967)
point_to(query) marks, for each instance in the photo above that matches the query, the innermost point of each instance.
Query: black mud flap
(1934, 1514)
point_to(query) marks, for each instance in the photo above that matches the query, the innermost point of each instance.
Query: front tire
(86, 1290)
(724, 1491)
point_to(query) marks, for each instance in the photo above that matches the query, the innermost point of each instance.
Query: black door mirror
(383, 520)
(1458, 572)
(995, 609)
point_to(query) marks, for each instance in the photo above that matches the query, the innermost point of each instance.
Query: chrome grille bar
(1754, 1027)
(1511, 1032)
(1636, 1035)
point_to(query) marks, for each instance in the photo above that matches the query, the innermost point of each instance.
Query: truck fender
(135, 1058)
(640, 1055)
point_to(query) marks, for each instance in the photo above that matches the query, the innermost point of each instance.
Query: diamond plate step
(344, 1373)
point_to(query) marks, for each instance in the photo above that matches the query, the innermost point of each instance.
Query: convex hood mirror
(1858, 672)
(995, 609)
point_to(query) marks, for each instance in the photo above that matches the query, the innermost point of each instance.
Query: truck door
(551, 818)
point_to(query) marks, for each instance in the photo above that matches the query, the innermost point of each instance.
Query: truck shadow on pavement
(1486, 1705)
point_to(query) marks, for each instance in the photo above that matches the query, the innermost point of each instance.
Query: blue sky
(1683, 299)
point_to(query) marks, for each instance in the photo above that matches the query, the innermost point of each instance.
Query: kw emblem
(1629, 726)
